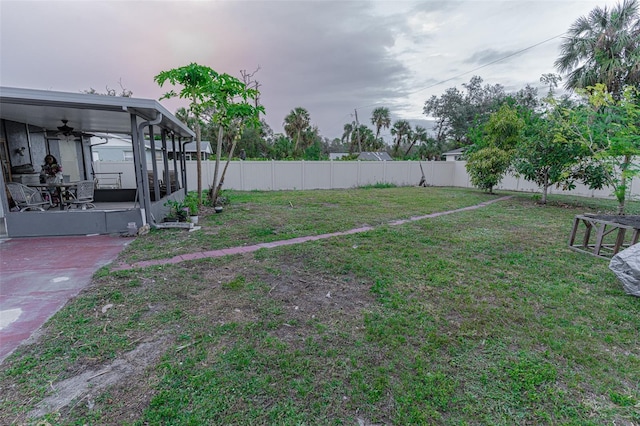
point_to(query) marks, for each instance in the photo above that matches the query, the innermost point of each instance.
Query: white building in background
(337, 155)
(454, 155)
(112, 147)
(374, 156)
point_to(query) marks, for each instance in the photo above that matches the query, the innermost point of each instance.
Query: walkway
(39, 275)
(255, 247)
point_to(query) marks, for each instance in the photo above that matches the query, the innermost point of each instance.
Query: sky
(332, 58)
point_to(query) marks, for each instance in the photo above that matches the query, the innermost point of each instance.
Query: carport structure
(30, 122)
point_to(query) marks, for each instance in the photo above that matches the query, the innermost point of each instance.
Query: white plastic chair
(83, 197)
(27, 198)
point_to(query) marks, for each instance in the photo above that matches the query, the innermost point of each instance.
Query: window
(128, 155)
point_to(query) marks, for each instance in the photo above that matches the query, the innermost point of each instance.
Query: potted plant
(178, 211)
(222, 199)
(191, 202)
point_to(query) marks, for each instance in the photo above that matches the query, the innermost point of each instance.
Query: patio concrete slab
(39, 275)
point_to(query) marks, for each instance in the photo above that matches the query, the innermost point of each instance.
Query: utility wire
(472, 70)
(489, 63)
(477, 68)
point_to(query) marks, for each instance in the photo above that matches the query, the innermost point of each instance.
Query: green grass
(256, 217)
(479, 317)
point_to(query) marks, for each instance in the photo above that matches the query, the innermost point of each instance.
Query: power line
(477, 68)
(473, 70)
(490, 63)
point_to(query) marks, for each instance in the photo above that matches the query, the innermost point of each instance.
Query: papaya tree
(235, 107)
(228, 101)
(196, 81)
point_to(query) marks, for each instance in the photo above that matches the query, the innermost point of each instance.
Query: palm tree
(418, 135)
(348, 131)
(380, 118)
(603, 47)
(400, 128)
(295, 123)
(363, 138)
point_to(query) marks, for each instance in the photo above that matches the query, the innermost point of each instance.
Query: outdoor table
(63, 188)
(609, 232)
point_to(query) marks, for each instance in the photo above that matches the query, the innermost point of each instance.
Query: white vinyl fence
(303, 175)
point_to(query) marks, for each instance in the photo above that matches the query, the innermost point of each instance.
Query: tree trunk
(621, 190)
(198, 159)
(410, 146)
(217, 167)
(545, 187)
(295, 147)
(218, 188)
(396, 148)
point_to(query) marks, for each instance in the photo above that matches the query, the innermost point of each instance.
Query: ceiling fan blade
(65, 129)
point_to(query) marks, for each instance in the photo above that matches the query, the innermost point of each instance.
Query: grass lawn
(479, 317)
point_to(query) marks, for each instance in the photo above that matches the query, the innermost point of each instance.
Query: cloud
(327, 56)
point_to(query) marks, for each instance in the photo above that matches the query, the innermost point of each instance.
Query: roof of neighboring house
(122, 141)
(205, 146)
(337, 155)
(458, 151)
(375, 156)
(110, 141)
(84, 112)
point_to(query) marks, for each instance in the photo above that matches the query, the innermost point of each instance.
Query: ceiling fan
(66, 130)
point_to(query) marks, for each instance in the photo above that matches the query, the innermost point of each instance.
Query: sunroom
(37, 123)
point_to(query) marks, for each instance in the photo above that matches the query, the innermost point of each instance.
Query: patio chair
(83, 196)
(27, 198)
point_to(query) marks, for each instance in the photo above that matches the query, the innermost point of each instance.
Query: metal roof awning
(84, 112)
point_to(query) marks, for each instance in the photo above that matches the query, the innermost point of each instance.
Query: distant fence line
(306, 175)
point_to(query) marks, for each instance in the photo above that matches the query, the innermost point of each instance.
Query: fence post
(433, 171)
(242, 174)
(331, 174)
(273, 175)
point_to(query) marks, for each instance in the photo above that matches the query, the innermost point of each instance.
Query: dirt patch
(300, 298)
(310, 294)
(238, 290)
(307, 299)
(85, 387)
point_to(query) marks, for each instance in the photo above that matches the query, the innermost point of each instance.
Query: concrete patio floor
(39, 275)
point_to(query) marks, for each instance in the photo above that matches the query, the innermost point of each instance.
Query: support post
(165, 162)
(154, 166)
(140, 169)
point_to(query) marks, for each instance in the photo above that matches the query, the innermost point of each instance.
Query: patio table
(63, 189)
